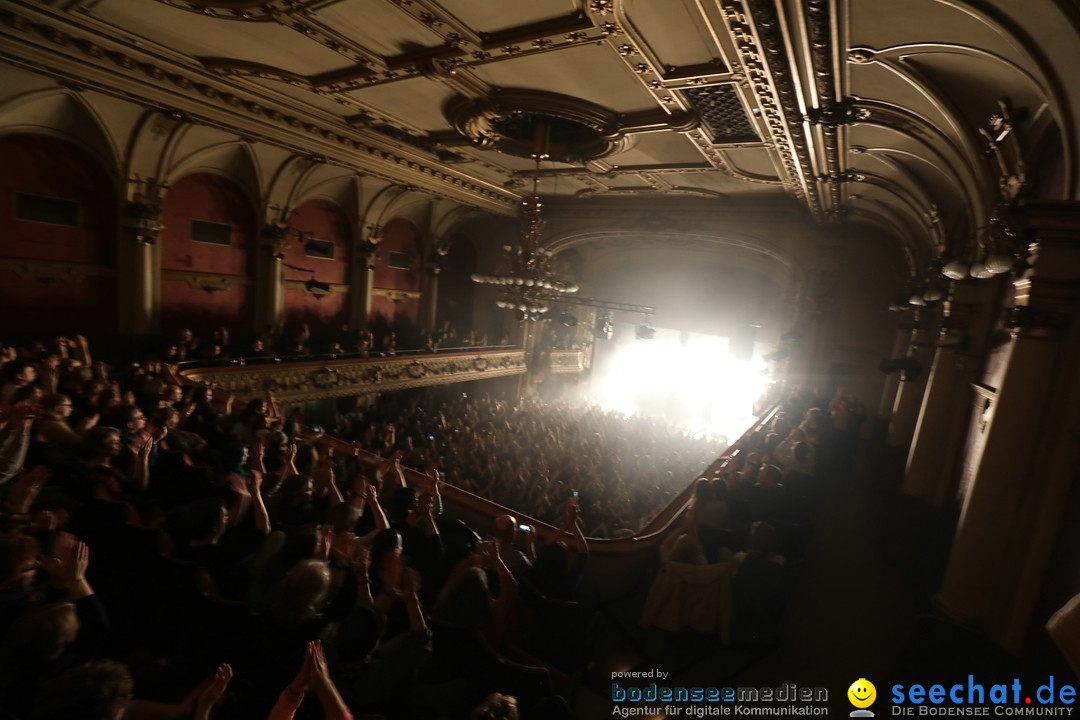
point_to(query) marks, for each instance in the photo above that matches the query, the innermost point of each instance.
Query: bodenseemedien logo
(862, 694)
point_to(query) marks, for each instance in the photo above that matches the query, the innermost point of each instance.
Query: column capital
(142, 211)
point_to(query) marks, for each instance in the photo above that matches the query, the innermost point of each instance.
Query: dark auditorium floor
(848, 616)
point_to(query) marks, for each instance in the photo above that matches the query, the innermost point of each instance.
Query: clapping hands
(212, 691)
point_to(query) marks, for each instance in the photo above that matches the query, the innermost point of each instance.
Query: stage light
(604, 327)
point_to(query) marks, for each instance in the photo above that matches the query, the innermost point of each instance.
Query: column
(947, 402)
(139, 277)
(269, 276)
(909, 398)
(892, 380)
(1012, 511)
(362, 281)
(429, 295)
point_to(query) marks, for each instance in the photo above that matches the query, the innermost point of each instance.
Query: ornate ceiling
(865, 110)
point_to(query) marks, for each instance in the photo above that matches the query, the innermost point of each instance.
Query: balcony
(297, 380)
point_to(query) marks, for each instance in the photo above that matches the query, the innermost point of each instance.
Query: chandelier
(526, 278)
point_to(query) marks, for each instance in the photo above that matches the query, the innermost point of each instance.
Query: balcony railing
(296, 380)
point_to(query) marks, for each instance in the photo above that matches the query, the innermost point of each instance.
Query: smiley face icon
(862, 693)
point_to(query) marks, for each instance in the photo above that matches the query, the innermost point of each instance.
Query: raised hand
(320, 671)
(300, 683)
(146, 445)
(213, 692)
(76, 568)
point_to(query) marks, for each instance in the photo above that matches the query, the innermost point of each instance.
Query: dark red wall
(214, 198)
(42, 165)
(324, 221)
(398, 236)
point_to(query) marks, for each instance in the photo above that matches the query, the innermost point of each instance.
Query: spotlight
(604, 328)
(317, 288)
(568, 320)
(645, 332)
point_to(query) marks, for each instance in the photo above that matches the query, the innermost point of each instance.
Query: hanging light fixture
(526, 279)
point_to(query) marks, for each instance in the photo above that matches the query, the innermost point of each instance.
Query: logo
(862, 694)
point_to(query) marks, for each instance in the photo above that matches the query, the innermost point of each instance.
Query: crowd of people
(301, 339)
(161, 540)
(535, 456)
(158, 540)
(726, 569)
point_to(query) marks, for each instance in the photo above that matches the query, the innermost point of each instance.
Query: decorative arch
(64, 114)
(400, 202)
(207, 254)
(230, 158)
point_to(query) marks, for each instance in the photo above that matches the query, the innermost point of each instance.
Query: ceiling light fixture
(526, 280)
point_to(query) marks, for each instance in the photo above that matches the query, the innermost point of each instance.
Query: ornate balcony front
(295, 382)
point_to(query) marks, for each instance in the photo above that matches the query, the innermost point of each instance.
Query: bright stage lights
(698, 384)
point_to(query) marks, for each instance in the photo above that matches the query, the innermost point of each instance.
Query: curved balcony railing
(300, 379)
(615, 564)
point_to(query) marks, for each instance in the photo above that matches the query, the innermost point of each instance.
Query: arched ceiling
(869, 111)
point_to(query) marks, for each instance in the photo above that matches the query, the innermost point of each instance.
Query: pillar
(892, 380)
(429, 296)
(362, 281)
(139, 276)
(948, 400)
(909, 398)
(269, 276)
(1012, 511)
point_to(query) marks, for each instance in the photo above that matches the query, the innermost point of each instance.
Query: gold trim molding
(396, 295)
(301, 382)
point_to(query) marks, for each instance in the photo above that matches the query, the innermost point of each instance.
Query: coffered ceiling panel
(196, 35)
(588, 72)
(491, 17)
(659, 149)
(684, 40)
(384, 33)
(757, 163)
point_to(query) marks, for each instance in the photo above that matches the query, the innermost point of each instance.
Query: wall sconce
(312, 286)
(318, 289)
